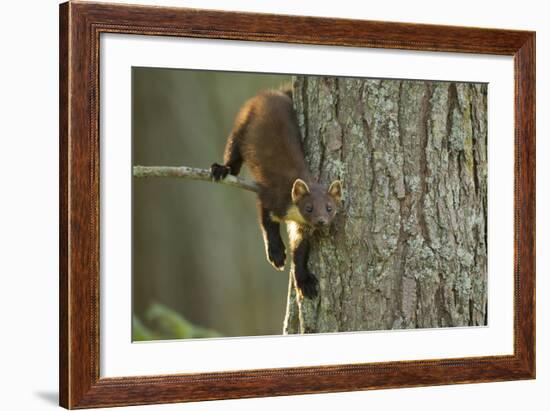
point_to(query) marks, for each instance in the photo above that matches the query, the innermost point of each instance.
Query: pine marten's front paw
(308, 286)
(219, 172)
(276, 256)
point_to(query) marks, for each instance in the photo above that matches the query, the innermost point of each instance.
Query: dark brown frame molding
(81, 24)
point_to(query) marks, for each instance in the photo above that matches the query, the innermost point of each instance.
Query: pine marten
(266, 138)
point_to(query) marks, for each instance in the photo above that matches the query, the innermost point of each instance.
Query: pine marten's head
(316, 205)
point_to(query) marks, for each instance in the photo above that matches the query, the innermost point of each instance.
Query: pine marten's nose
(322, 222)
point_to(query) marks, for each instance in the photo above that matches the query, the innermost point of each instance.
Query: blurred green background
(199, 267)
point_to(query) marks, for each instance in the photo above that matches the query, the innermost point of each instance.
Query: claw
(277, 259)
(308, 288)
(219, 172)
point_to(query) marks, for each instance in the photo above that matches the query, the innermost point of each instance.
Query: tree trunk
(408, 248)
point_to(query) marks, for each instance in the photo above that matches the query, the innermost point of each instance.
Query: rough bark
(409, 246)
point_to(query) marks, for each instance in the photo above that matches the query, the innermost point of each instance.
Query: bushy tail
(286, 88)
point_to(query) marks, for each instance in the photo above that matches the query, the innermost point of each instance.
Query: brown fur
(271, 148)
(266, 138)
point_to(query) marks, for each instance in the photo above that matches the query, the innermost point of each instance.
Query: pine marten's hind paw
(219, 172)
(308, 286)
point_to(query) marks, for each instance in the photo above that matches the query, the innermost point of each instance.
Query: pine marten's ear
(335, 190)
(299, 189)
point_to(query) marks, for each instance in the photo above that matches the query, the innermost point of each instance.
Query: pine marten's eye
(309, 208)
(329, 208)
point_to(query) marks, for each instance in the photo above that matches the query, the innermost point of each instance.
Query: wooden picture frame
(80, 27)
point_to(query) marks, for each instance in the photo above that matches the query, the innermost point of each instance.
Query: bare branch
(193, 174)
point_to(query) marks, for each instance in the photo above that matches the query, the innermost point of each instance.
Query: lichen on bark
(408, 248)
